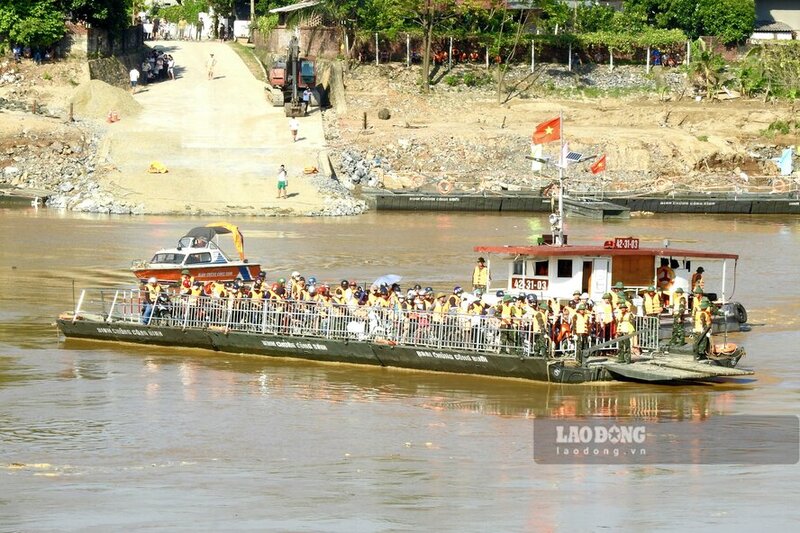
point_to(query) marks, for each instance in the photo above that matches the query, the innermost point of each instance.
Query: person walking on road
(293, 127)
(210, 64)
(283, 182)
(134, 75)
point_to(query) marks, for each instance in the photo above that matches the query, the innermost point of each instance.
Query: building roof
(772, 26)
(573, 251)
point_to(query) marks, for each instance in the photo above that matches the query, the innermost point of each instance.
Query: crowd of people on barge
(515, 324)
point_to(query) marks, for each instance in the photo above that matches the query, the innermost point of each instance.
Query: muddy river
(104, 437)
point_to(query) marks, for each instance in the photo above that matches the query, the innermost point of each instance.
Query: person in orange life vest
(697, 279)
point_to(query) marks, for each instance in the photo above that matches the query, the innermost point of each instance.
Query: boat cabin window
(167, 258)
(565, 268)
(518, 267)
(203, 257)
(541, 268)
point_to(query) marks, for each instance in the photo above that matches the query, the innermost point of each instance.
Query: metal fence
(324, 319)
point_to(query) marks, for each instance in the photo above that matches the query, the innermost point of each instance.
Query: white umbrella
(387, 279)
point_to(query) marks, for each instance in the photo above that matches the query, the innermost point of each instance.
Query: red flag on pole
(547, 132)
(599, 165)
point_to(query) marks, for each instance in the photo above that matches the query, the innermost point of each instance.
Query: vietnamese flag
(547, 132)
(599, 165)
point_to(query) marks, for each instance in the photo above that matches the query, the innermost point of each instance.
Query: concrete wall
(315, 43)
(786, 11)
(91, 42)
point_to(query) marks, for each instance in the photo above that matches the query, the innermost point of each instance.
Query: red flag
(547, 132)
(599, 165)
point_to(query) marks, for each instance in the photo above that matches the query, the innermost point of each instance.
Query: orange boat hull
(228, 272)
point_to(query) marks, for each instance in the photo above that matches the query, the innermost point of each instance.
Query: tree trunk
(426, 56)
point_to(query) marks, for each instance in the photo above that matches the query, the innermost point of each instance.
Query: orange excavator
(289, 77)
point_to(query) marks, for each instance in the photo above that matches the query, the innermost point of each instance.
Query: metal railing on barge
(456, 330)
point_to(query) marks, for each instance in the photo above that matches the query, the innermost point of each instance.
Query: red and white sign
(626, 243)
(528, 284)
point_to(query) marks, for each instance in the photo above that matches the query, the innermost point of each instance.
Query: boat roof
(572, 251)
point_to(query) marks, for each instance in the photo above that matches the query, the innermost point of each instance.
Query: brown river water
(103, 437)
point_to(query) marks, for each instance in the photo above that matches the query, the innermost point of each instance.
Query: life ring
(661, 184)
(665, 276)
(549, 191)
(725, 349)
(779, 185)
(445, 187)
(418, 181)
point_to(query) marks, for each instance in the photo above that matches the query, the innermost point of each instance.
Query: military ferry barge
(319, 331)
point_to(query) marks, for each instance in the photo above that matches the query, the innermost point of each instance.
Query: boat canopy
(569, 251)
(219, 228)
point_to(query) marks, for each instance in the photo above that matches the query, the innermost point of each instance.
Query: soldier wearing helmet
(186, 282)
(652, 302)
(625, 328)
(702, 329)
(678, 337)
(581, 325)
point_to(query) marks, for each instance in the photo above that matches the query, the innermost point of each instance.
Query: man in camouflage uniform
(678, 309)
(702, 330)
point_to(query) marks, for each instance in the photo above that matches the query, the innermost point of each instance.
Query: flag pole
(560, 233)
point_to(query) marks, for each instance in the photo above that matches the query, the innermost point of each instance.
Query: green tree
(428, 16)
(107, 14)
(730, 20)
(708, 69)
(32, 22)
(593, 17)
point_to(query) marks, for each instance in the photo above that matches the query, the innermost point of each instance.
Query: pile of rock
(63, 162)
(7, 78)
(338, 200)
(354, 168)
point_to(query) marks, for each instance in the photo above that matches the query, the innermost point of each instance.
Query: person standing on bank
(293, 127)
(283, 182)
(306, 100)
(480, 275)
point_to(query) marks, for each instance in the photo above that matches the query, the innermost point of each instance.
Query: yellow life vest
(652, 305)
(626, 323)
(539, 321)
(581, 324)
(701, 320)
(153, 291)
(480, 276)
(608, 313)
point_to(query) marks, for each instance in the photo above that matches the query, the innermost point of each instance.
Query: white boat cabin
(557, 271)
(191, 252)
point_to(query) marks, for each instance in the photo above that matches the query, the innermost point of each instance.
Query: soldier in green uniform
(540, 330)
(702, 330)
(625, 327)
(678, 310)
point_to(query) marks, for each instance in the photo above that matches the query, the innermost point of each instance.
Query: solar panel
(574, 157)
